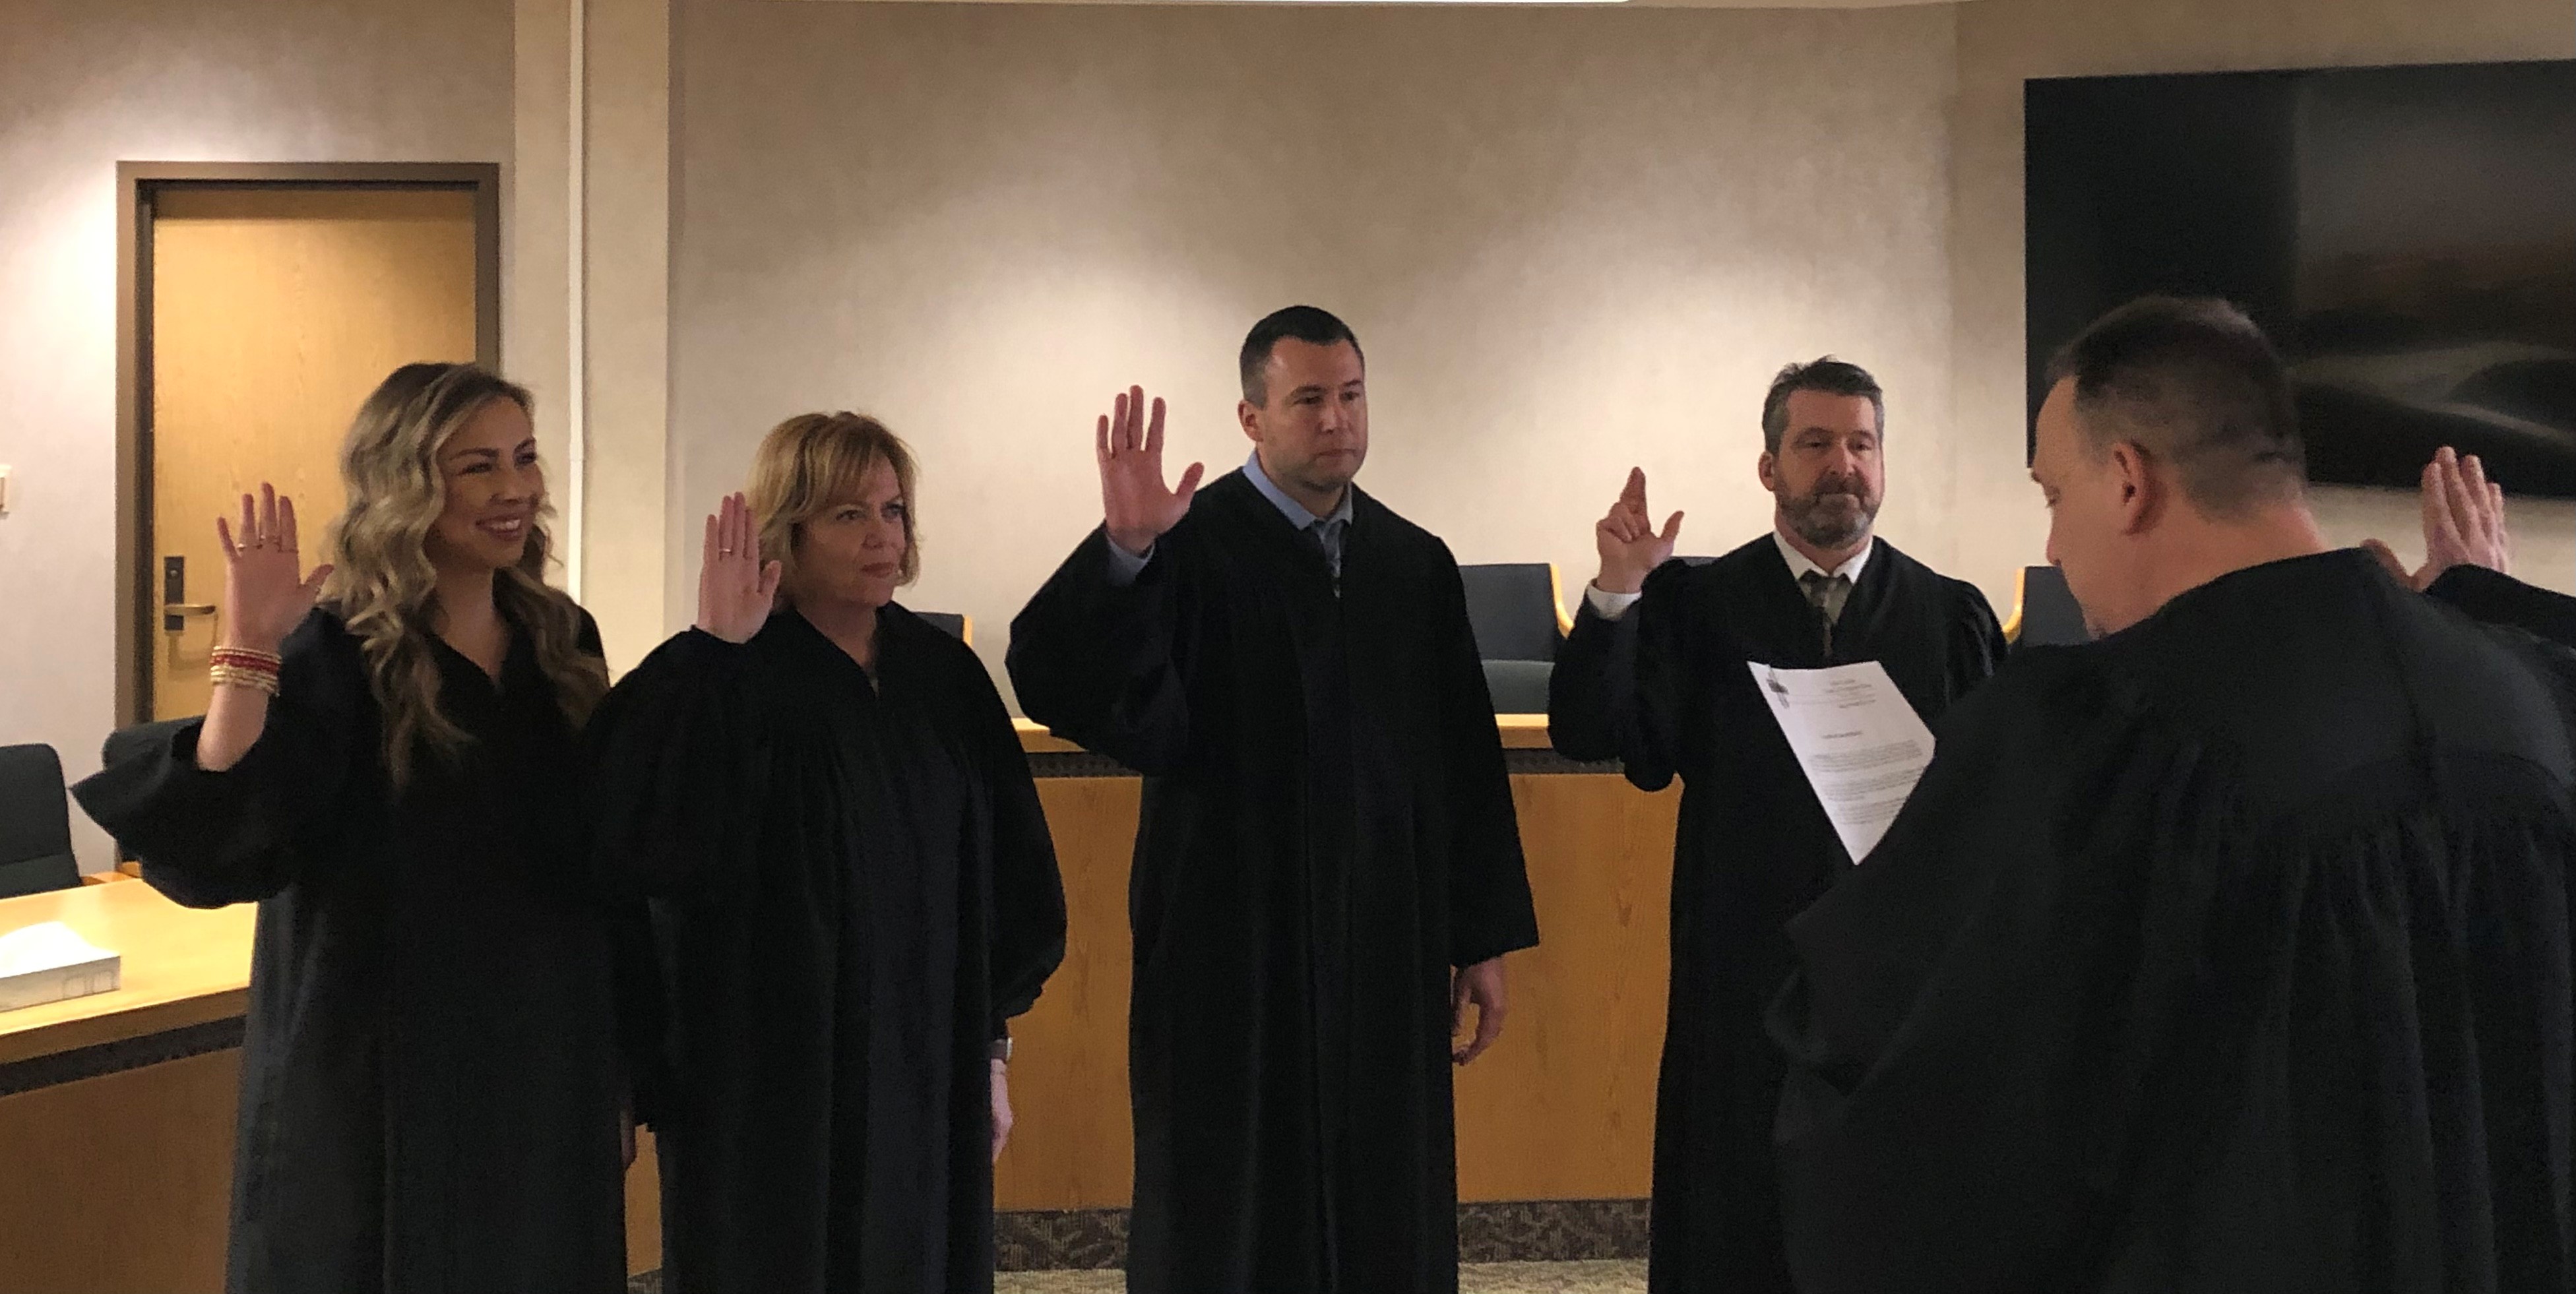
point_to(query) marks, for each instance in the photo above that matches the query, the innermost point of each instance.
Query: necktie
(1826, 593)
(1324, 538)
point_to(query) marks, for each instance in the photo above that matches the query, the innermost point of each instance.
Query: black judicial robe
(852, 889)
(2500, 599)
(1665, 688)
(2228, 953)
(1327, 832)
(430, 1078)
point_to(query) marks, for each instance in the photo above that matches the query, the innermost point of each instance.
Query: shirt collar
(1294, 511)
(1799, 566)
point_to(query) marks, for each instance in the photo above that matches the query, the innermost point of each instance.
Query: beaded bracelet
(243, 667)
(247, 658)
(236, 676)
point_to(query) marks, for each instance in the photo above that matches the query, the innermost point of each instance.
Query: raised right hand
(1631, 547)
(1138, 506)
(735, 588)
(264, 599)
(2464, 523)
(2463, 517)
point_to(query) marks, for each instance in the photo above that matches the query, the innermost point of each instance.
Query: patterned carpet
(1489, 1278)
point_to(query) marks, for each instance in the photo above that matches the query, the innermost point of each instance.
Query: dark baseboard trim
(1060, 1240)
(1549, 763)
(1076, 763)
(1551, 1231)
(1514, 1231)
(1499, 1232)
(120, 1055)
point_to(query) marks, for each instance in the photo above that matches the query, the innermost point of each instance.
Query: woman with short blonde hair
(812, 459)
(852, 885)
(431, 1090)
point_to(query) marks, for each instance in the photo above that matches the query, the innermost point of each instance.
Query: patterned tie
(1826, 593)
(1324, 539)
(1329, 533)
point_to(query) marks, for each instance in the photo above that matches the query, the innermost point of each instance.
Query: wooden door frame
(137, 184)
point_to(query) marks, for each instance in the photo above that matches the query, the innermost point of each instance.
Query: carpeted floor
(1489, 1278)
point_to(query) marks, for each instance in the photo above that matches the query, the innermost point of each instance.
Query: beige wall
(600, 371)
(83, 86)
(1571, 240)
(2003, 42)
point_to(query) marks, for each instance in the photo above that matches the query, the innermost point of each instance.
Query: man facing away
(1655, 675)
(2228, 952)
(1328, 869)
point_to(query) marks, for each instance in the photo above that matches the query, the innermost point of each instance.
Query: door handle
(176, 609)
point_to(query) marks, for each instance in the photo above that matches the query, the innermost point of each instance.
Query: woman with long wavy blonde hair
(431, 1091)
(852, 885)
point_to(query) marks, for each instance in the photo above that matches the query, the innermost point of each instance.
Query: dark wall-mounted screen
(2407, 235)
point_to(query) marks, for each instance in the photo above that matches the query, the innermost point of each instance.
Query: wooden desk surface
(1520, 732)
(181, 966)
(184, 966)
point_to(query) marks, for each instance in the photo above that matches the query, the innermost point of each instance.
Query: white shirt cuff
(1609, 606)
(1125, 566)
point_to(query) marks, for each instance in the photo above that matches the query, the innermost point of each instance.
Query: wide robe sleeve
(676, 769)
(1026, 941)
(2496, 598)
(1097, 662)
(1974, 1008)
(1984, 644)
(1615, 692)
(1490, 909)
(211, 839)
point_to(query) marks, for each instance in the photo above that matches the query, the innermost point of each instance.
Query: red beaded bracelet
(245, 658)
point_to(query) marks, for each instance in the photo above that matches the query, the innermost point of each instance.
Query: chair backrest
(954, 624)
(35, 823)
(1518, 686)
(2048, 615)
(1514, 610)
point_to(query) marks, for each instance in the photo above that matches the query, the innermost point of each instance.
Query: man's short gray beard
(1807, 523)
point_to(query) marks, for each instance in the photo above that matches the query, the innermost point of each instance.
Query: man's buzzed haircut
(2193, 382)
(1828, 375)
(1302, 323)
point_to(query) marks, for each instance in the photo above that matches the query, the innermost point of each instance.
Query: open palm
(735, 588)
(1139, 507)
(2464, 523)
(266, 590)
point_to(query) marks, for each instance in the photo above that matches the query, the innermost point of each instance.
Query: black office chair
(2048, 615)
(1514, 610)
(954, 624)
(35, 823)
(1519, 621)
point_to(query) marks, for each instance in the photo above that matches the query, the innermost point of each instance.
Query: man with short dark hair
(2230, 951)
(1328, 870)
(1655, 675)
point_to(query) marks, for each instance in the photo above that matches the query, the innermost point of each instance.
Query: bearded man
(1655, 675)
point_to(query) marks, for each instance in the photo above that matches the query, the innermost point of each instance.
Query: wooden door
(274, 311)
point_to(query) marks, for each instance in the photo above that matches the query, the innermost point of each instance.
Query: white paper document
(1860, 742)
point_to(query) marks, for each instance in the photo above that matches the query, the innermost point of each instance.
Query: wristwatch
(1001, 1050)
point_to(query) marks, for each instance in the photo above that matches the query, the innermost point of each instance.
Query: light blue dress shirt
(1125, 566)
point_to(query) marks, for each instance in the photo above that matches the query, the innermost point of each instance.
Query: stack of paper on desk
(48, 963)
(1857, 737)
